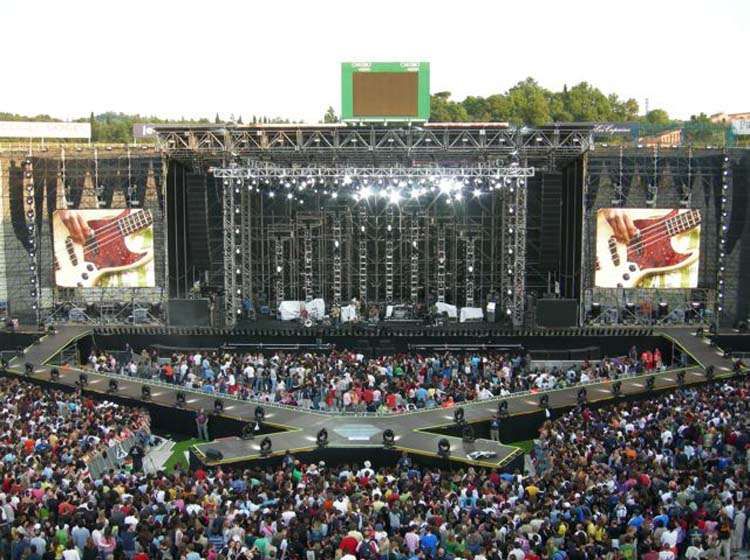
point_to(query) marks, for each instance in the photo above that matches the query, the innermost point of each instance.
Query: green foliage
(657, 116)
(528, 103)
(330, 116)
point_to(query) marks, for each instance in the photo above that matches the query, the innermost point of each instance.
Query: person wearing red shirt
(349, 545)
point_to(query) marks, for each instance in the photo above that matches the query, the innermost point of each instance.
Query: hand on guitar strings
(622, 225)
(77, 227)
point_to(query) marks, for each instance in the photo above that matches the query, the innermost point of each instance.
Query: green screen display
(385, 91)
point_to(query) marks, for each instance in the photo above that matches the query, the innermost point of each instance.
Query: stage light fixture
(617, 388)
(681, 378)
(83, 379)
(322, 438)
(248, 431)
(543, 400)
(389, 438)
(265, 446)
(54, 374)
(650, 383)
(28, 369)
(181, 399)
(582, 396)
(709, 373)
(218, 406)
(113, 386)
(260, 413)
(458, 416)
(467, 434)
(145, 393)
(444, 448)
(502, 409)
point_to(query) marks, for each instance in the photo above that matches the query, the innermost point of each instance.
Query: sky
(282, 57)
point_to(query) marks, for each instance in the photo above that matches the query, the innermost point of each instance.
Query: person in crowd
(342, 380)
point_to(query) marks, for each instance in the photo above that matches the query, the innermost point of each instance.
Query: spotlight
(544, 401)
(582, 396)
(502, 409)
(681, 378)
(322, 438)
(113, 386)
(181, 399)
(265, 446)
(260, 413)
(650, 383)
(458, 416)
(218, 406)
(28, 369)
(248, 431)
(83, 379)
(617, 388)
(145, 393)
(54, 374)
(467, 434)
(389, 438)
(444, 448)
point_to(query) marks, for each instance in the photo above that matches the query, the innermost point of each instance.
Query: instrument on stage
(104, 252)
(649, 252)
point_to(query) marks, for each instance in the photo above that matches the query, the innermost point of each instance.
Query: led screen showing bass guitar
(661, 242)
(90, 245)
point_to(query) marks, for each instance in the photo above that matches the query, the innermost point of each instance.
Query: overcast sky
(276, 57)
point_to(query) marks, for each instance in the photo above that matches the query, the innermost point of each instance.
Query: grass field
(178, 454)
(525, 445)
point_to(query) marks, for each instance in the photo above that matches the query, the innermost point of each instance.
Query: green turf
(525, 445)
(178, 454)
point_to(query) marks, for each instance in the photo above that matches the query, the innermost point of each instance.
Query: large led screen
(103, 248)
(647, 248)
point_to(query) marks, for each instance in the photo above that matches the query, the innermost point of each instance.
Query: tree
(239, 119)
(217, 120)
(92, 124)
(442, 109)
(330, 116)
(658, 116)
(529, 103)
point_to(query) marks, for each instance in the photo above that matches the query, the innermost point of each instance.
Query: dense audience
(41, 429)
(658, 479)
(347, 381)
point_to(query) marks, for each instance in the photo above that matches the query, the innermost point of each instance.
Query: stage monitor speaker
(557, 313)
(189, 313)
(214, 454)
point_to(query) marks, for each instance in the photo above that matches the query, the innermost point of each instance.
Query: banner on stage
(647, 248)
(103, 248)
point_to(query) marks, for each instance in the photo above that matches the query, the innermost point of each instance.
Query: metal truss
(646, 306)
(337, 239)
(217, 141)
(262, 171)
(441, 264)
(307, 274)
(278, 257)
(514, 252)
(389, 254)
(232, 253)
(362, 256)
(469, 277)
(414, 238)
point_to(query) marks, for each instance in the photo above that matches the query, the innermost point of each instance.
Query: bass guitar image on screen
(649, 249)
(87, 250)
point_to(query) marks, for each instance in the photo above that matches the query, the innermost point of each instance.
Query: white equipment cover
(348, 313)
(471, 314)
(291, 310)
(450, 310)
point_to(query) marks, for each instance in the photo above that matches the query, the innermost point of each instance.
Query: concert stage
(415, 432)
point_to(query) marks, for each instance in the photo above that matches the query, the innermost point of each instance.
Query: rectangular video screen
(385, 94)
(647, 248)
(103, 248)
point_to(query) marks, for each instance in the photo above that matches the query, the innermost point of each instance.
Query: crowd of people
(659, 479)
(348, 381)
